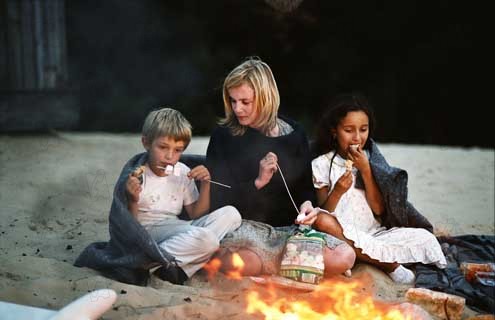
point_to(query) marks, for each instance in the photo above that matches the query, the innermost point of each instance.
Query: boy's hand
(133, 188)
(200, 173)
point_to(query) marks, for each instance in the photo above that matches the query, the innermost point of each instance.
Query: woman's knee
(346, 255)
(340, 259)
(251, 263)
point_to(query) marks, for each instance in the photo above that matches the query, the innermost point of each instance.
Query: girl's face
(352, 129)
(163, 151)
(242, 102)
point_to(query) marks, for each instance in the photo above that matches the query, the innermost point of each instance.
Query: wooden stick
(211, 181)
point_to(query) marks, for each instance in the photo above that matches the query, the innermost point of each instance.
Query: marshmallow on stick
(169, 170)
(300, 217)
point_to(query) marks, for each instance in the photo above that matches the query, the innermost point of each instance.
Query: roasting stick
(287, 188)
(211, 181)
(220, 184)
(288, 191)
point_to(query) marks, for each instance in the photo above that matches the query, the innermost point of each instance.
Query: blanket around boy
(130, 252)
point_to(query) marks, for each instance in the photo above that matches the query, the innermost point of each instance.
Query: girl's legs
(328, 224)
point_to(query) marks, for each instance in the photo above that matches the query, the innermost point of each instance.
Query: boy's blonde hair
(167, 122)
(258, 75)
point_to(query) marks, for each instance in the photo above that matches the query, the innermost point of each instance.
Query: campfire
(332, 299)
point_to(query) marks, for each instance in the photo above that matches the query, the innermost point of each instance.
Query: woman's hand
(133, 188)
(343, 184)
(268, 166)
(307, 214)
(359, 158)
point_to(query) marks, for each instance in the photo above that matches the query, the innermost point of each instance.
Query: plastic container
(485, 278)
(302, 259)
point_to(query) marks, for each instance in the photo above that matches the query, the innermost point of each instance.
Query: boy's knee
(209, 241)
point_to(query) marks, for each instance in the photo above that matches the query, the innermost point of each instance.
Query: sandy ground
(55, 193)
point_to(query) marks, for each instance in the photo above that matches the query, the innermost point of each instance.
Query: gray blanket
(393, 185)
(131, 251)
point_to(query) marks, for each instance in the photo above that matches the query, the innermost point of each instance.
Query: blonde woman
(248, 149)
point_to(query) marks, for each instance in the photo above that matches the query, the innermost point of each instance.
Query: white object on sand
(91, 306)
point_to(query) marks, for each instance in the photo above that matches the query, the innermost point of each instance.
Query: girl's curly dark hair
(337, 110)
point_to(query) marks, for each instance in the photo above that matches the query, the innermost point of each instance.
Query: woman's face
(352, 129)
(242, 102)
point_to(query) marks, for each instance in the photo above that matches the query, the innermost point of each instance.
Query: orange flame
(238, 266)
(214, 265)
(330, 301)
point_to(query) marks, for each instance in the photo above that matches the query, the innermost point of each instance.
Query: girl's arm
(373, 194)
(329, 201)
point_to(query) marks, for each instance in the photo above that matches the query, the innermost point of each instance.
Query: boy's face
(163, 151)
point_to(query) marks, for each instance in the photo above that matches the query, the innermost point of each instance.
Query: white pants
(193, 242)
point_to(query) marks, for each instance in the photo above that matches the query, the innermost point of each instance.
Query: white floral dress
(401, 245)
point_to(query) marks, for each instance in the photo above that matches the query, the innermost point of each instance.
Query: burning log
(441, 305)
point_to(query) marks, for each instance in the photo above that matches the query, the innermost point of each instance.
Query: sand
(56, 191)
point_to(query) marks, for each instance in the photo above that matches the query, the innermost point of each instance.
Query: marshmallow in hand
(301, 217)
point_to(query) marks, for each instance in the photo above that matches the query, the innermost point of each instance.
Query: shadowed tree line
(415, 61)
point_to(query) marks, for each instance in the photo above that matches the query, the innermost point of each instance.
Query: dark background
(418, 62)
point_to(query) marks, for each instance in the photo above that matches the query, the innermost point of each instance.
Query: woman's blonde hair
(258, 75)
(167, 122)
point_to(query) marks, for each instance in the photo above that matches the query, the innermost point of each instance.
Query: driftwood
(441, 305)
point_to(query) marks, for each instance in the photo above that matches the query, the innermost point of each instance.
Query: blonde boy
(157, 198)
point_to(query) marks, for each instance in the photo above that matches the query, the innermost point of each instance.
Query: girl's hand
(359, 158)
(344, 183)
(200, 173)
(133, 188)
(268, 166)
